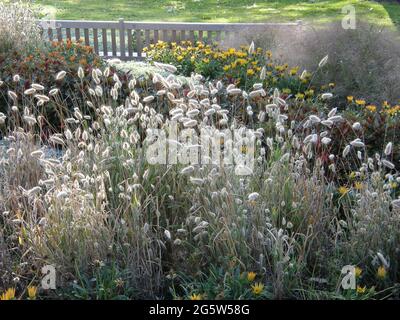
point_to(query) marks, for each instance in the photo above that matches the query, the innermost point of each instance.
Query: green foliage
(106, 283)
(219, 284)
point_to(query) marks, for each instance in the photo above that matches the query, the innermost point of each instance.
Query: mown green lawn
(220, 10)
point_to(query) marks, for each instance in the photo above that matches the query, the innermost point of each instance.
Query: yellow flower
(309, 93)
(352, 175)
(371, 108)
(350, 99)
(179, 58)
(227, 67)
(361, 290)
(32, 290)
(300, 96)
(251, 276)
(250, 72)
(294, 71)
(196, 297)
(393, 185)
(381, 273)
(358, 272)
(257, 288)
(8, 295)
(360, 102)
(393, 111)
(358, 185)
(343, 190)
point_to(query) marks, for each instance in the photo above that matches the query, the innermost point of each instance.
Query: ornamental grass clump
(19, 31)
(104, 202)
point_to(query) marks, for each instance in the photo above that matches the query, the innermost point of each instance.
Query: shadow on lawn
(393, 10)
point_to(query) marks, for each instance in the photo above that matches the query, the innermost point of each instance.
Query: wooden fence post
(122, 38)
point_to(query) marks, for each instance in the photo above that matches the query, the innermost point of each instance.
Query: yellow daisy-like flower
(196, 297)
(358, 185)
(360, 102)
(257, 288)
(371, 108)
(358, 272)
(250, 72)
(8, 295)
(350, 99)
(361, 290)
(32, 290)
(343, 190)
(251, 276)
(381, 273)
(294, 71)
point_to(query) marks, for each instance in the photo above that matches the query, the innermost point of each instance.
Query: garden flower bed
(177, 185)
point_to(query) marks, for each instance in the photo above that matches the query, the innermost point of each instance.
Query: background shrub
(40, 66)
